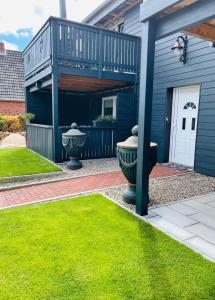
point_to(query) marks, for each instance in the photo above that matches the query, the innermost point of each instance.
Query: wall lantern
(180, 48)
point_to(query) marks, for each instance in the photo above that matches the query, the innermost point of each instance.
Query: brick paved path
(71, 187)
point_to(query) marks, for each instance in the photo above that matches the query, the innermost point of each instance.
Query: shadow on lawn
(155, 264)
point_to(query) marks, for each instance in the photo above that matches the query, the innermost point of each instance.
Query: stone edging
(25, 178)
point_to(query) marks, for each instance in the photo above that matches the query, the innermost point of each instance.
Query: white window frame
(116, 26)
(114, 105)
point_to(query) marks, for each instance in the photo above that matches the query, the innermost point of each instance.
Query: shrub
(14, 123)
(1, 123)
(107, 118)
(11, 124)
(23, 119)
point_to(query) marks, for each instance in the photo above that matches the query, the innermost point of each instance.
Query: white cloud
(19, 14)
(10, 46)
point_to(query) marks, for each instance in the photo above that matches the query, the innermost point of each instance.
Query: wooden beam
(184, 18)
(102, 11)
(144, 119)
(40, 85)
(152, 7)
(204, 31)
(47, 71)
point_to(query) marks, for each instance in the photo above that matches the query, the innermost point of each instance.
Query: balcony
(74, 49)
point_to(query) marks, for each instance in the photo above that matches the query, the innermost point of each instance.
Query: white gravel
(170, 189)
(93, 166)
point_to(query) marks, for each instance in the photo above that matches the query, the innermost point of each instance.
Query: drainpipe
(63, 9)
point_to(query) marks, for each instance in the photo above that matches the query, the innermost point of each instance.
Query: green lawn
(21, 161)
(89, 248)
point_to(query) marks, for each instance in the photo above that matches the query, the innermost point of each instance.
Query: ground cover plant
(22, 161)
(89, 248)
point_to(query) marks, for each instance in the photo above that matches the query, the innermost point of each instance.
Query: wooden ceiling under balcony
(88, 84)
(79, 84)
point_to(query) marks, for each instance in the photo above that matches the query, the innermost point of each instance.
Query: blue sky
(21, 19)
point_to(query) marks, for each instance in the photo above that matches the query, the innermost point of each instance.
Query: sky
(21, 19)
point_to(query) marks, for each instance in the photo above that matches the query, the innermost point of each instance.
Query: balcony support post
(55, 118)
(144, 119)
(55, 96)
(101, 50)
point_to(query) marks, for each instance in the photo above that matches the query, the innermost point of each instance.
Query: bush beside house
(9, 124)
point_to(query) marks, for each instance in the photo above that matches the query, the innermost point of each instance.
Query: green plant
(29, 116)
(23, 118)
(1, 123)
(108, 118)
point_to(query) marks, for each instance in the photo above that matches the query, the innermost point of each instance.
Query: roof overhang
(109, 12)
(195, 17)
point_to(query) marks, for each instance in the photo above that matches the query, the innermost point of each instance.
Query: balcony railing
(79, 46)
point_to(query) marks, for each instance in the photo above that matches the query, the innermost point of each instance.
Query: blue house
(74, 72)
(183, 106)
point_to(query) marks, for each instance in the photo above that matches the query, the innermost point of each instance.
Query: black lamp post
(180, 48)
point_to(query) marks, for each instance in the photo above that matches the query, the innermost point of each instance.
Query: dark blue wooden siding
(169, 73)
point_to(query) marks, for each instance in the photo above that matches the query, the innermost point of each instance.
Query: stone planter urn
(127, 157)
(74, 142)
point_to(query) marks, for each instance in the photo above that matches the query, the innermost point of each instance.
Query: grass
(89, 248)
(21, 161)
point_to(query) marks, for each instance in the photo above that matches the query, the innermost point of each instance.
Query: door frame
(175, 111)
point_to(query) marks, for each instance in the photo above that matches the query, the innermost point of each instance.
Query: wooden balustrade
(84, 47)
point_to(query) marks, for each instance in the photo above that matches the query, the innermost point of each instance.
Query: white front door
(184, 125)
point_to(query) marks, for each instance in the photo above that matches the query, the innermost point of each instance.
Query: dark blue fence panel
(100, 142)
(38, 54)
(40, 139)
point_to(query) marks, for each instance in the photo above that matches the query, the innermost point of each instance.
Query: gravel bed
(90, 167)
(93, 166)
(170, 189)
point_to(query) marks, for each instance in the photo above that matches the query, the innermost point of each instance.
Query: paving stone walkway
(13, 140)
(192, 222)
(64, 188)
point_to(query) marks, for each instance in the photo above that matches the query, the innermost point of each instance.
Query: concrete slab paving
(202, 207)
(204, 219)
(192, 222)
(183, 209)
(173, 216)
(202, 246)
(203, 231)
(211, 203)
(172, 229)
(207, 198)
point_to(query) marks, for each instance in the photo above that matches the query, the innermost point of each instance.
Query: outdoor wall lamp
(180, 48)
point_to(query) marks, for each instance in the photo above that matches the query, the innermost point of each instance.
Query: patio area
(192, 222)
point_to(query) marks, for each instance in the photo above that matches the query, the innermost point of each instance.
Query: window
(120, 27)
(183, 123)
(109, 106)
(193, 126)
(190, 105)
